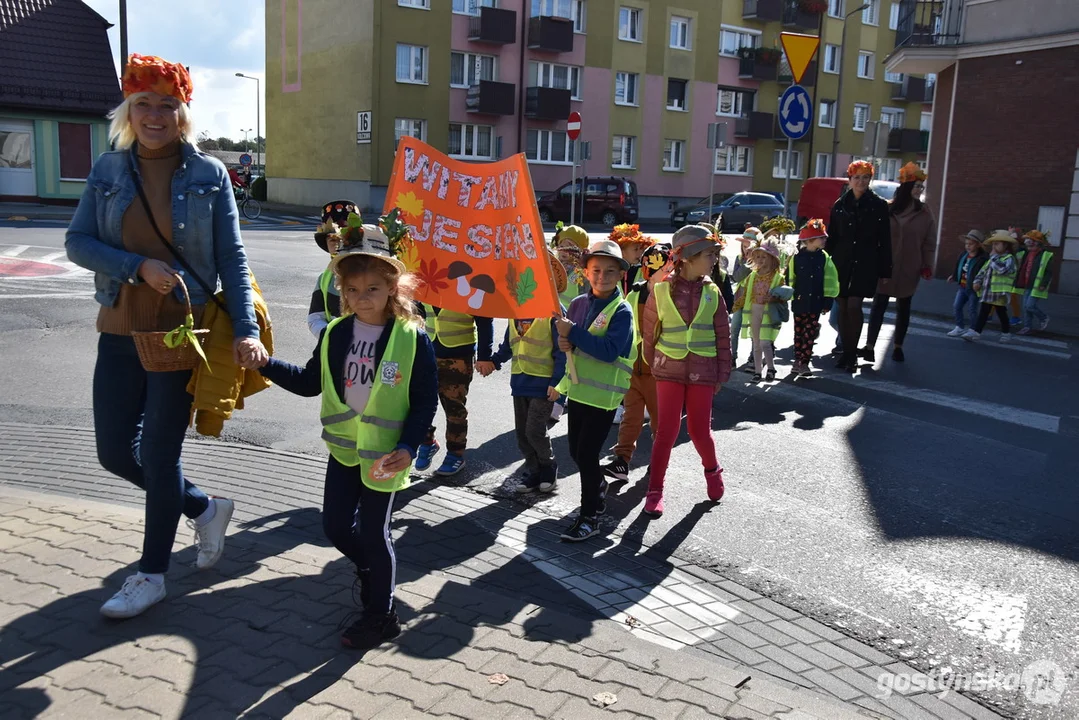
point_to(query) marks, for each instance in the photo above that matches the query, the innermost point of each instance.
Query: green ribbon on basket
(186, 334)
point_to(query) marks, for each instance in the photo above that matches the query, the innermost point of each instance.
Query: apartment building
(484, 79)
(1005, 147)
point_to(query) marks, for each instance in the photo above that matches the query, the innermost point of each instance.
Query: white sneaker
(1005, 338)
(956, 332)
(647, 417)
(211, 537)
(618, 414)
(134, 598)
(971, 336)
(1044, 323)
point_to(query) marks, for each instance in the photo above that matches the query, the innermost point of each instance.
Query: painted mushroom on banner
(475, 238)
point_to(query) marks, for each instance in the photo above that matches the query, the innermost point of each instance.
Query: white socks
(207, 514)
(155, 578)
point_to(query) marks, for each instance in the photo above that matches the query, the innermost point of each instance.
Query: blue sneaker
(451, 465)
(425, 454)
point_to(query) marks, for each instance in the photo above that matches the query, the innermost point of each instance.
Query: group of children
(994, 277)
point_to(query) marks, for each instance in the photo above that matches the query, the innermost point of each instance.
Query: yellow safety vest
(770, 323)
(325, 282)
(1039, 277)
(452, 329)
(532, 352)
(831, 275)
(355, 438)
(676, 339)
(601, 384)
(999, 283)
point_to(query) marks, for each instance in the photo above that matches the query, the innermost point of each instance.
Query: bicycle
(249, 206)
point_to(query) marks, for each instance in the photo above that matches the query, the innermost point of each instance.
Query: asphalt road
(931, 506)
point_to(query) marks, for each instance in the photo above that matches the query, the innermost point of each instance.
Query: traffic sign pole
(787, 179)
(573, 131)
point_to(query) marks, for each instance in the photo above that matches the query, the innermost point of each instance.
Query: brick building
(1005, 137)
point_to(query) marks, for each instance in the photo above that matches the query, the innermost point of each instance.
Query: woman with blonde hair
(156, 210)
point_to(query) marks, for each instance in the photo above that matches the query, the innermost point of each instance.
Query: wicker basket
(156, 356)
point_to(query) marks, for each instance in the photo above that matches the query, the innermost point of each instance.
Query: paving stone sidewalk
(474, 570)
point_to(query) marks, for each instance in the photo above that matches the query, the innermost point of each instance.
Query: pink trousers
(671, 398)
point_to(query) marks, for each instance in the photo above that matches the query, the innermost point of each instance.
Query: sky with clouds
(215, 39)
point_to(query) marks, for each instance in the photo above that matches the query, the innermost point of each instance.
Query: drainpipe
(816, 89)
(521, 76)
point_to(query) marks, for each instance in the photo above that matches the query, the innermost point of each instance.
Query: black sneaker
(581, 529)
(601, 507)
(361, 588)
(530, 484)
(371, 630)
(616, 468)
(867, 354)
(546, 478)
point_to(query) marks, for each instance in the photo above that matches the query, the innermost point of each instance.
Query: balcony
(809, 79)
(544, 103)
(494, 26)
(763, 10)
(795, 16)
(753, 65)
(929, 23)
(925, 141)
(754, 126)
(912, 89)
(903, 140)
(492, 98)
(550, 34)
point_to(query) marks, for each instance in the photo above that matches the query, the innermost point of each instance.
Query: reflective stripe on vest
(1002, 283)
(429, 321)
(1036, 283)
(532, 352)
(601, 384)
(676, 340)
(325, 281)
(454, 329)
(362, 438)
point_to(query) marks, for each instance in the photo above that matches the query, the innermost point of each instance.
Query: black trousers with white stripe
(356, 519)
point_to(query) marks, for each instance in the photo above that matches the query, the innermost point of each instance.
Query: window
(580, 16)
(411, 63)
(673, 155)
(422, 4)
(549, 146)
(893, 77)
(468, 69)
(681, 34)
(471, 7)
(622, 151)
(871, 15)
(734, 160)
(893, 16)
(556, 8)
(75, 153)
(732, 39)
(831, 59)
(835, 8)
(734, 103)
(926, 122)
(888, 170)
(824, 165)
(629, 24)
(826, 115)
(779, 164)
(560, 77)
(625, 88)
(471, 142)
(861, 116)
(676, 94)
(409, 127)
(865, 65)
(895, 117)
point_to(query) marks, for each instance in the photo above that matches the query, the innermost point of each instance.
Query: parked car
(740, 208)
(609, 200)
(698, 211)
(820, 193)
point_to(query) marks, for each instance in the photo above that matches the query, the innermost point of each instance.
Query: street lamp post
(258, 120)
(839, 90)
(245, 132)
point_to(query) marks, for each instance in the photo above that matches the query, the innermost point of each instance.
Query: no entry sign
(573, 125)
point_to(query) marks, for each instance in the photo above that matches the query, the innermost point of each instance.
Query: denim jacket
(205, 230)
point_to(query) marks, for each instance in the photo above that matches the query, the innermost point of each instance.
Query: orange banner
(477, 242)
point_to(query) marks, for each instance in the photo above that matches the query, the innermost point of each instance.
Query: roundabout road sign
(795, 112)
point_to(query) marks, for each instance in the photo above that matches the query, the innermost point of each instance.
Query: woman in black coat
(860, 243)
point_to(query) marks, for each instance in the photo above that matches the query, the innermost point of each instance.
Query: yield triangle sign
(800, 50)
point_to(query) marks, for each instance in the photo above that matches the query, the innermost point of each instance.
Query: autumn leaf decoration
(410, 205)
(522, 287)
(434, 277)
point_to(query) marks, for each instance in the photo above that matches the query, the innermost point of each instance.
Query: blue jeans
(963, 296)
(1031, 311)
(736, 331)
(139, 421)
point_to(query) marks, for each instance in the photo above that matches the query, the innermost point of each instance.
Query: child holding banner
(538, 366)
(599, 331)
(325, 300)
(569, 242)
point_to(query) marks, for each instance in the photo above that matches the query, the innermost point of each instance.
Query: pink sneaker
(653, 503)
(714, 478)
